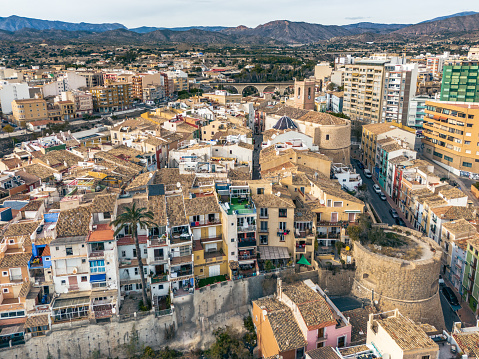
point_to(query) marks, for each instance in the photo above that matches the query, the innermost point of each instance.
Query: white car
(367, 173)
(377, 189)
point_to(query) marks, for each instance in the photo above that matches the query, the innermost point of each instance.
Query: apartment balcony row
(214, 256)
(246, 242)
(181, 259)
(247, 228)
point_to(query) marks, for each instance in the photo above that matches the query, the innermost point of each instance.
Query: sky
(180, 13)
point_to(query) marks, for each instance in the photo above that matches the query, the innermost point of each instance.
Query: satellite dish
(178, 184)
(321, 201)
(278, 194)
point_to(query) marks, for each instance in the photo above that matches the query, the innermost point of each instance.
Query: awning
(304, 261)
(270, 252)
(14, 329)
(97, 277)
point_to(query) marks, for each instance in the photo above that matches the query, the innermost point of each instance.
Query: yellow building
(209, 249)
(111, 97)
(223, 97)
(29, 110)
(451, 135)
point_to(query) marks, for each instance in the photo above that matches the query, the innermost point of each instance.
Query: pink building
(321, 323)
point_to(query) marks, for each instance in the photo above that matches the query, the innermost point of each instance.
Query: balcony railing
(205, 223)
(250, 228)
(159, 278)
(179, 274)
(95, 254)
(246, 242)
(16, 278)
(214, 255)
(322, 338)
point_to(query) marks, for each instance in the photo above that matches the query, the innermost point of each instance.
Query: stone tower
(304, 94)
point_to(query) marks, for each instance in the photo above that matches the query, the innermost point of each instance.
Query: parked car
(367, 173)
(394, 213)
(382, 196)
(450, 296)
(400, 222)
(377, 189)
(360, 165)
(40, 229)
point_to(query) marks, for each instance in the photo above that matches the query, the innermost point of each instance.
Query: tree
(135, 218)
(229, 345)
(8, 129)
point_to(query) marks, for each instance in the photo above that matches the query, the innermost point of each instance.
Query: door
(73, 283)
(334, 217)
(214, 271)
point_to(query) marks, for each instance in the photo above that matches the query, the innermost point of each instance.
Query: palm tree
(135, 218)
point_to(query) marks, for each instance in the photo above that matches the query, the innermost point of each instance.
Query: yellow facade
(29, 110)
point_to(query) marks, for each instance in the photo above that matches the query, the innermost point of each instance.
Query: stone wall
(410, 286)
(336, 283)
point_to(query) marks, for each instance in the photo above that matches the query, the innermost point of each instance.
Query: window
(341, 341)
(129, 287)
(100, 246)
(447, 158)
(63, 282)
(134, 252)
(283, 213)
(5, 290)
(299, 353)
(263, 239)
(327, 137)
(123, 253)
(467, 164)
(282, 226)
(467, 142)
(5, 274)
(69, 251)
(97, 266)
(84, 278)
(263, 225)
(232, 240)
(196, 218)
(106, 215)
(263, 212)
(425, 357)
(145, 251)
(260, 191)
(136, 271)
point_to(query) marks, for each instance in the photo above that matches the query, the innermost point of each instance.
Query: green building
(471, 274)
(460, 83)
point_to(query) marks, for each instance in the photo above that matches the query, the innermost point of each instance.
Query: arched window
(309, 93)
(299, 92)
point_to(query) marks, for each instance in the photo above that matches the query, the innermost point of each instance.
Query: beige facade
(112, 97)
(363, 85)
(304, 94)
(29, 110)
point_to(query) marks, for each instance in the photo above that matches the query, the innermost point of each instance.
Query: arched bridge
(260, 86)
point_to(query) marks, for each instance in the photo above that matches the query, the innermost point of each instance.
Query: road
(258, 140)
(450, 316)
(382, 207)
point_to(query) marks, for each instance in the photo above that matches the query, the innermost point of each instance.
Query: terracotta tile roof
(302, 212)
(284, 110)
(246, 145)
(12, 163)
(33, 205)
(59, 157)
(41, 171)
(242, 173)
(359, 323)
(468, 343)
(270, 304)
(286, 331)
(452, 192)
(175, 211)
(378, 128)
(74, 222)
(21, 228)
(332, 188)
(46, 251)
(323, 353)
(15, 260)
(202, 205)
(353, 350)
(43, 240)
(322, 118)
(37, 321)
(460, 228)
(24, 289)
(102, 233)
(129, 240)
(407, 334)
(104, 203)
(392, 147)
(157, 205)
(171, 176)
(139, 182)
(123, 150)
(271, 201)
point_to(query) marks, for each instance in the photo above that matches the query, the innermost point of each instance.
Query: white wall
(10, 92)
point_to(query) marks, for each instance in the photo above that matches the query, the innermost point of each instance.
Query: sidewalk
(465, 313)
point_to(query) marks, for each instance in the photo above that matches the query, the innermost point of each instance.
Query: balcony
(205, 223)
(178, 239)
(246, 242)
(179, 274)
(97, 254)
(249, 228)
(322, 338)
(16, 278)
(282, 232)
(159, 278)
(213, 256)
(182, 259)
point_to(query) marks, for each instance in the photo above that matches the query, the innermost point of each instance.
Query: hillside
(450, 25)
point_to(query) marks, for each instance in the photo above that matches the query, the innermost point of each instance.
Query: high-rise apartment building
(363, 85)
(400, 82)
(451, 135)
(460, 83)
(29, 110)
(112, 97)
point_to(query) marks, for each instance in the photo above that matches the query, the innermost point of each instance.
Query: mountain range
(15, 28)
